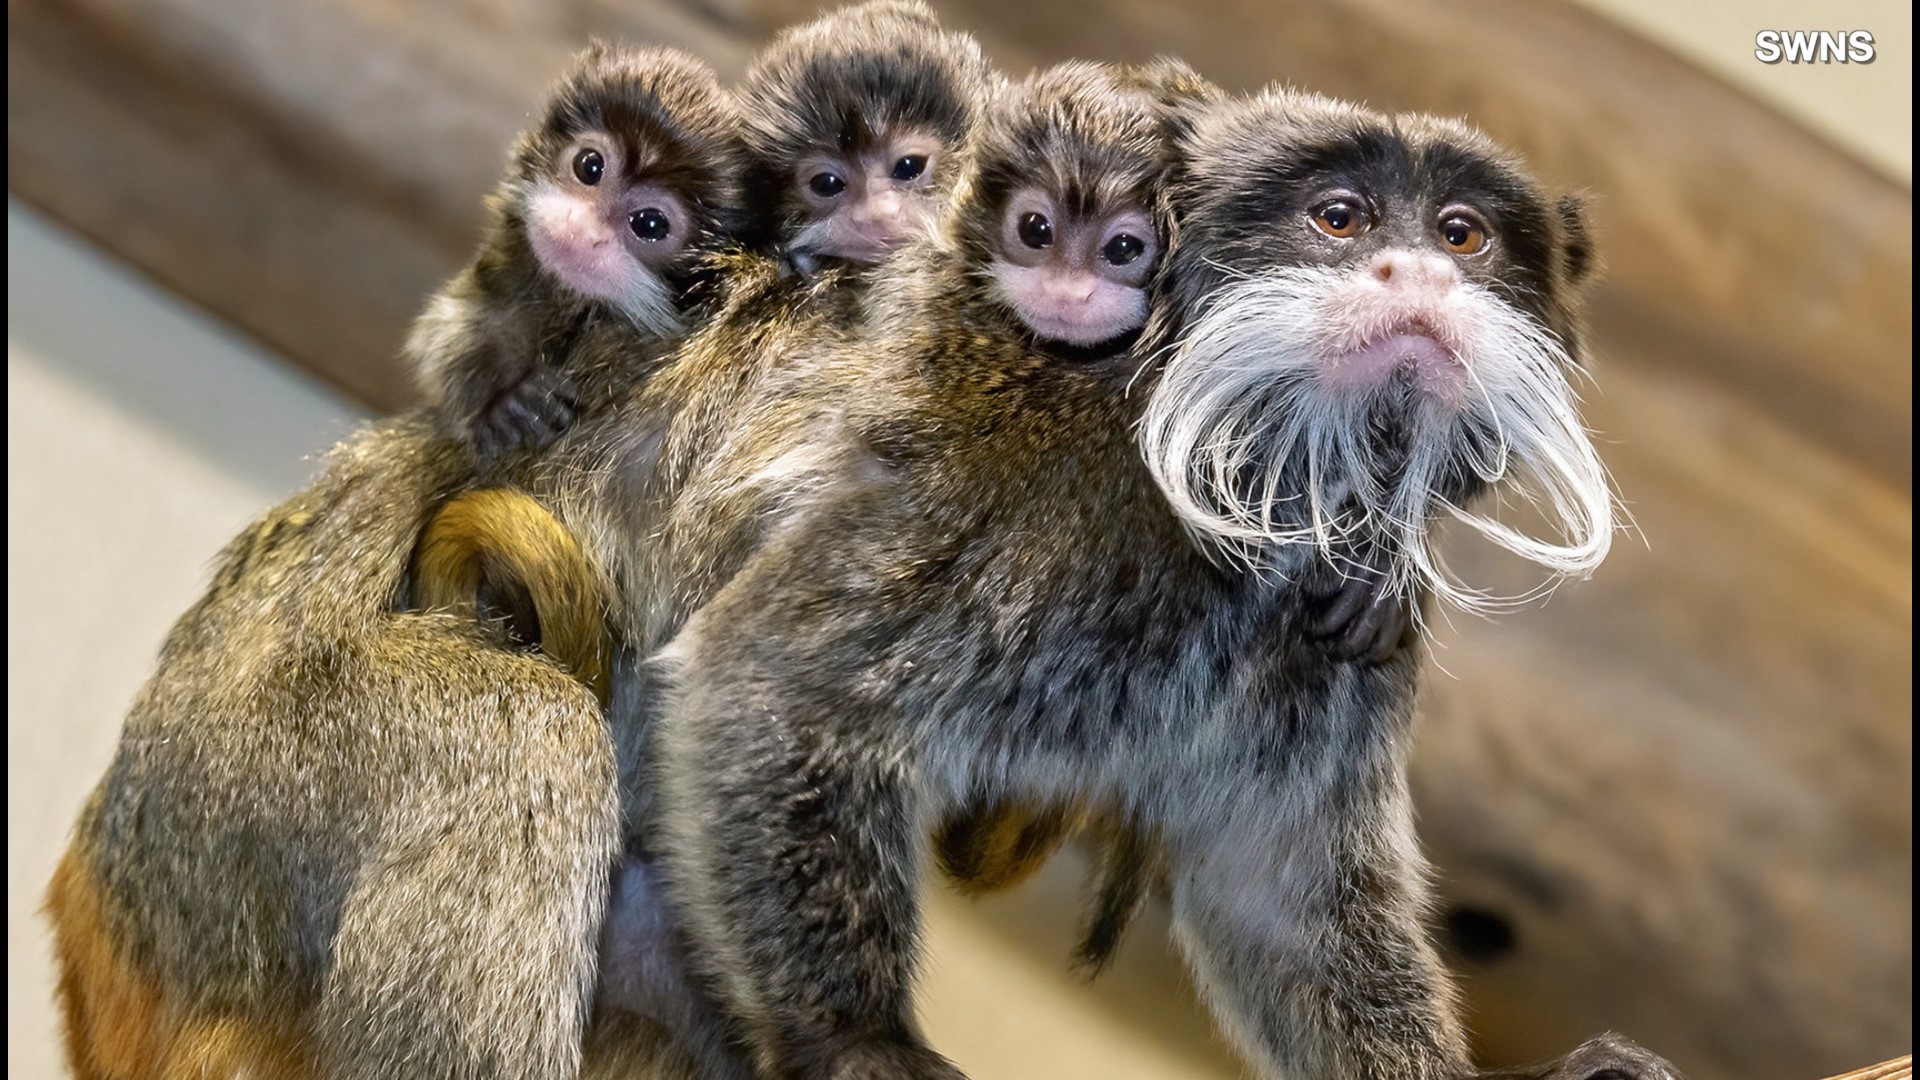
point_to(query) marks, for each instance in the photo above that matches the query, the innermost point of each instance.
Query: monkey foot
(1604, 1057)
(530, 415)
(888, 1059)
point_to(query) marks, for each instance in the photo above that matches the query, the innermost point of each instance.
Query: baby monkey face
(865, 203)
(1059, 217)
(604, 221)
(1074, 276)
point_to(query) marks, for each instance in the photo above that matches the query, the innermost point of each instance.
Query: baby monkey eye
(589, 166)
(1463, 236)
(1036, 231)
(1341, 219)
(910, 167)
(827, 185)
(649, 224)
(1123, 249)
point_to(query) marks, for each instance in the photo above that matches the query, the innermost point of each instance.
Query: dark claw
(530, 415)
(1605, 1057)
(1350, 602)
(1360, 620)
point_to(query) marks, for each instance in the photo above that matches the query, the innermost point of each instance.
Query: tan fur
(117, 1019)
(503, 535)
(506, 536)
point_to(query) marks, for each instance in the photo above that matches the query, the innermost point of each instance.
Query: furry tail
(987, 847)
(499, 556)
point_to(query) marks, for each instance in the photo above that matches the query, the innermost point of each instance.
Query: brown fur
(500, 541)
(121, 1024)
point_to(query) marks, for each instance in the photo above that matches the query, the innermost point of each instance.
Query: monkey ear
(1577, 244)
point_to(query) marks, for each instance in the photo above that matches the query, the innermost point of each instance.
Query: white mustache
(1255, 448)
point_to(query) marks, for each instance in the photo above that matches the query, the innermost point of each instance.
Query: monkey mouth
(1412, 350)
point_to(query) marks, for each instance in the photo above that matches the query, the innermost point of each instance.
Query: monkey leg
(1302, 926)
(121, 1022)
(466, 943)
(791, 838)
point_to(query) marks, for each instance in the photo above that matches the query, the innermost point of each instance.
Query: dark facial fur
(855, 123)
(609, 206)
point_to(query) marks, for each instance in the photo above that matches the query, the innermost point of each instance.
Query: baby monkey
(410, 827)
(853, 122)
(608, 204)
(1050, 244)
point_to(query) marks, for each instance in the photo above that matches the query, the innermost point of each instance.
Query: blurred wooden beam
(1897, 1069)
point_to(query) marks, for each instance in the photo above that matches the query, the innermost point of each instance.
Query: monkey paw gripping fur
(595, 720)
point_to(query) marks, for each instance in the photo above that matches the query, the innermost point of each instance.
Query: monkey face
(1060, 215)
(602, 223)
(1074, 277)
(863, 204)
(1377, 322)
(852, 122)
(632, 175)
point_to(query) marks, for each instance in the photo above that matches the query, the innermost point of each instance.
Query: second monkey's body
(937, 567)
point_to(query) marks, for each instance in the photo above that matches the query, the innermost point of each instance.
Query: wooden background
(1675, 801)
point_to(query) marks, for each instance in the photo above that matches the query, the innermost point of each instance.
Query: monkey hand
(1603, 1057)
(531, 414)
(1361, 618)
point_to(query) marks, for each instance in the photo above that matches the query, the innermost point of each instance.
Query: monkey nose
(1399, 268)
(1071, 288)
(880, 212)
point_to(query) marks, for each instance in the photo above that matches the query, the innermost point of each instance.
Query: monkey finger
(1346, 605)
(1391, 618)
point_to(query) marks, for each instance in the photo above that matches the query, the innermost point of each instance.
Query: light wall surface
(1866, 109)
(140, 438)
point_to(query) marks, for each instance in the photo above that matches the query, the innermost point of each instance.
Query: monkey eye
(1463, 235)
(826, 184)
(649, 224)
(1342, 219)
(589, 166)
(1036, 231)
(910, 167)
(1123, 249)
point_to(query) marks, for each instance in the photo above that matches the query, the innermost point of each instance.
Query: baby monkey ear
(1577, 252)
